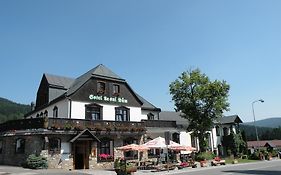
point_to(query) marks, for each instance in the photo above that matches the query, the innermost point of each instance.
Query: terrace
(72, 124)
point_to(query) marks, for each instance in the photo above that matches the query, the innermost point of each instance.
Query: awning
(84, 135)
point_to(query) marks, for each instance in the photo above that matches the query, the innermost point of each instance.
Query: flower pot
(203, 163)
(131, 169)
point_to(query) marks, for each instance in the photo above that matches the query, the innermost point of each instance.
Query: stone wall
(58, 161)
(33, 145)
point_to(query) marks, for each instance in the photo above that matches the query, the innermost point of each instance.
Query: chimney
(32, 105)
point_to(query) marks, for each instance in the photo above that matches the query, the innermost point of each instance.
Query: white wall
(185, 138)
(62, 110)
(145, 112)
(65, 147)
(78, 111)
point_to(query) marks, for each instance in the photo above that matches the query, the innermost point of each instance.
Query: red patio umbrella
(133, 147)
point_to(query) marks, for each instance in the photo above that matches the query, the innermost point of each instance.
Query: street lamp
(260, 100)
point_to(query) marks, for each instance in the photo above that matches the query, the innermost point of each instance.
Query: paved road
(258, 168)
(11, 170)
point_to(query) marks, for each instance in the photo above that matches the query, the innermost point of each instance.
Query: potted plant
(203, 163)
(123, 168)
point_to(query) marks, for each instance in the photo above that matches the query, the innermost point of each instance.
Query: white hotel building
(78, 123)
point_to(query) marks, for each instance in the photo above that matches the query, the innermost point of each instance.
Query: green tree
(235, 143)
(200, 100)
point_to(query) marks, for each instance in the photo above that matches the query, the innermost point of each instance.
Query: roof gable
(70, 85)
(174, 116)
(229, 119)
(147, 105)
(59, 81)
(100, 71)
(84, 135)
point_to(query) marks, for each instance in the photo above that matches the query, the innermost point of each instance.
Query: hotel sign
(108, 99)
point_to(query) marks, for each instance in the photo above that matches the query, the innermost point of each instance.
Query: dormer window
(150, 116)
(116, 89)
(101, 88)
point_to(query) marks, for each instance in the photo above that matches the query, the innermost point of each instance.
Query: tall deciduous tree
(200, 100)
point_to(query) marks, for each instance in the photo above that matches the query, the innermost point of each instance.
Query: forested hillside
(10, 110)
(265, 133)
(273, 122)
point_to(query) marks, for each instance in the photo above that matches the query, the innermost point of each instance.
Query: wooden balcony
(160, 123)
(72, 124)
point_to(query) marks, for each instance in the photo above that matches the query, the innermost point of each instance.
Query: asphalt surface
(257, 168)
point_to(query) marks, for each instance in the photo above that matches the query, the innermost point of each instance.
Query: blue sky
(148, 43)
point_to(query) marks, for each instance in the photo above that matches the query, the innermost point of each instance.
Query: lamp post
(260, 100)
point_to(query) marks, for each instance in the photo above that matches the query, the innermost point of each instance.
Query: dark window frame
(21, 148)
(218, 131)
(122, 113)
(104, 149)
(115, 89)
(93, 108)
(54, 145)
(225, 131)
(101, 87)
(55, 112)
(176, 137)
(45, 113)
(150, 116)
(1, 146)
(193, 141)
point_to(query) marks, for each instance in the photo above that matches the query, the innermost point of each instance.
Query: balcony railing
(72, 124)
(160, 123)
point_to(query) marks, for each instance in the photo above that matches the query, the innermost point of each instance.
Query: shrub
(36, 162)
(205, 156)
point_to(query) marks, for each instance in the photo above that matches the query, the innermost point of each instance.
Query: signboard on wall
(108, 99)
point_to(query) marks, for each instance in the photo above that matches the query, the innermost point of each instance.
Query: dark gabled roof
(229, 119)
(100, 71)
(173, 116)
(72, 85)
(84, 133)
(146, 104)
(59, 81)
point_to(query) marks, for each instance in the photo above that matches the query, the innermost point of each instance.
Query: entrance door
(81, 155)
